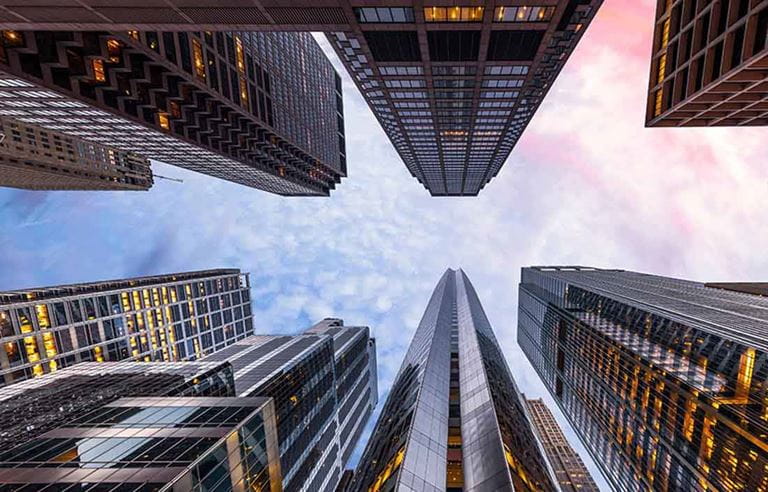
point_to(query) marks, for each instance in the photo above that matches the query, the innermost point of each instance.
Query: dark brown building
(453, 86)
(35, 158)
(755, 288)
(710, 64)
(571, 473)
(260, 109)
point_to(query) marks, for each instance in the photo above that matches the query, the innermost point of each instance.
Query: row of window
(400, 15)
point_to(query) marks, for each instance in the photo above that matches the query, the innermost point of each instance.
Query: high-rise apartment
(324, 380)
(453, 85)
(260, 109)
(177, 444)
(710, 64)
(571, 473)
(159, 318)
(454, 418)
(663, 379)
(36, 158)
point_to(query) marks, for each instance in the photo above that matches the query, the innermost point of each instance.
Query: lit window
(453, 14)
(98, 70)
(523, 14)
(165, 123)
(197, 55)
(240, 55)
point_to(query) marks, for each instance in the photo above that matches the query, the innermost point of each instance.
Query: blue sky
(587, 184)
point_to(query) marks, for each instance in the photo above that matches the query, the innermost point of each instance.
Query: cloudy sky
(587, 184)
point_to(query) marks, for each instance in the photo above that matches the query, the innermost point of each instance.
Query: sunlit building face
(663, 379)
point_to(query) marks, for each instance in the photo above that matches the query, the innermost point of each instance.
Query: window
(197, 54)
(453, 14)
(514, 45)
(523, 14)
(384, 15)
(453, 45)
(393, 46)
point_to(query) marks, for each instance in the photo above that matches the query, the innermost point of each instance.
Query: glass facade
(323, 384)
(172, 317)
(262, 109)
(30, 408)
(570, 471)
(454, 419)
(663, 379)
(138, 444)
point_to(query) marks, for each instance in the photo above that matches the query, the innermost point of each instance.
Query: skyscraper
(177, 444)
(30, 408)
(323, 383)
(260, 109)
(663, 379)
(35, 158)
(710, 64)
(454, 419)
(571, 473)
(162, 318)
(453, 86)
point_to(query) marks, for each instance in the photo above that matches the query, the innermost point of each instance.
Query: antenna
(169, 179)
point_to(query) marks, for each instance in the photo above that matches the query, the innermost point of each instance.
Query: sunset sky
(587, 184)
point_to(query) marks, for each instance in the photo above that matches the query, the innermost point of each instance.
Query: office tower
(663, 379)
(174, 444)
(260, 109)
(31, 408)
(571, 473)
(454, 419)
(34, 158)
(324, 380)
(453, 86)
(162, 318)
(710, 64)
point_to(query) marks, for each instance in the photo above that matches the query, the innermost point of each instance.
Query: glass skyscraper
(454, 418)
(664, 380)
(323, 383)
(179, 444)
(172, 317)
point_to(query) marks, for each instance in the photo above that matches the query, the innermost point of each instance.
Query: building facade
(260, 109)
(710, 64)
(571, 473)
(177, 444)
(324, 379)
(453, 86)
(664, 380)
(454, 419)
(35, 158)
(173, 317)
(31, 408)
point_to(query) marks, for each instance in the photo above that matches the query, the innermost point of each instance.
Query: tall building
(571, 473)
(161, 318)
(31, 408)
(35, 158)
(174, 444)
(662, 379)
(260, 109)
(710, 64)
(324, 379)
(453, 86)
(454, 418)
(321, 388)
